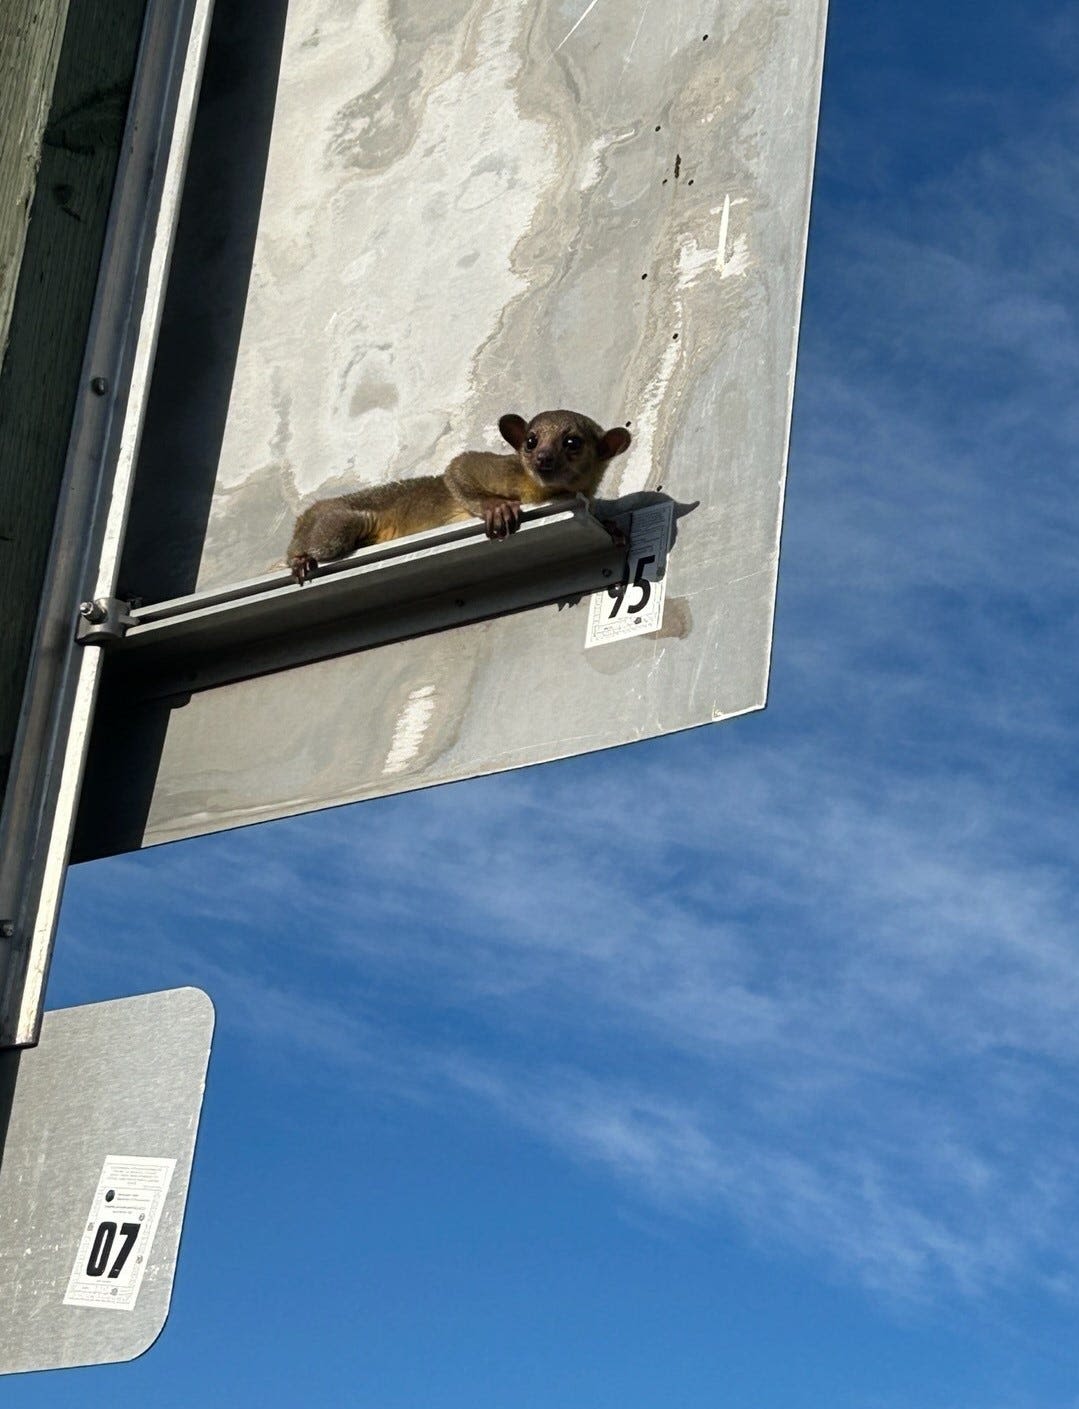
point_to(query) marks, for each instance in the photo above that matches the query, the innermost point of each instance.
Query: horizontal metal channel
(426, 582)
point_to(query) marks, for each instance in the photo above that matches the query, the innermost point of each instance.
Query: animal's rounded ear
(513, 429)
(613, 442)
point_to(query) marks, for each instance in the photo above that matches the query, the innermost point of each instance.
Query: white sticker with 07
(114, 1249)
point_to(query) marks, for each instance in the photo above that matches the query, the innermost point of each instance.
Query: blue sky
(774, 1105)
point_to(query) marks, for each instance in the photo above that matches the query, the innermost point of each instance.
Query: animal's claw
(501, 517)
(303, 566)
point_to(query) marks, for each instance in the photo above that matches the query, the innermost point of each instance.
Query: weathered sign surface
(469, 207)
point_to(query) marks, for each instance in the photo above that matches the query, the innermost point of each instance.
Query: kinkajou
(556, 454)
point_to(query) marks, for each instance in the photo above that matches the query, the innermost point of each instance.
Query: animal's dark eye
(531, 441)
(573, 443)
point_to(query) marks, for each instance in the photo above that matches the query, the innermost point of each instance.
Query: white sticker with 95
(634, 606)
(114, 1249)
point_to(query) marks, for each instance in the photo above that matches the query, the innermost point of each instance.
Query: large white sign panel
(470, 207)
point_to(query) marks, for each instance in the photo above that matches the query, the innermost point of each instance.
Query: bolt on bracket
(102, 620)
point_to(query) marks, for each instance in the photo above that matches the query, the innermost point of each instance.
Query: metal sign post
(54, 727)
(98, 1120)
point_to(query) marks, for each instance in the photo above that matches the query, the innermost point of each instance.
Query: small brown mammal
(556, 454)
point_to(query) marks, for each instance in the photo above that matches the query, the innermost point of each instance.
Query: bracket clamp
(103, 620)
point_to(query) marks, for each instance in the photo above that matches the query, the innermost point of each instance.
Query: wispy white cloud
(841, 1021)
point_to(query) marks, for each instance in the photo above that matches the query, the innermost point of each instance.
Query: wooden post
(30, 35)
(65, 76)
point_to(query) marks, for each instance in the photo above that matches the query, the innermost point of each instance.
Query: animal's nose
(545, 459)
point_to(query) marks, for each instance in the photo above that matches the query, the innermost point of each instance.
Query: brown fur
(556, 454)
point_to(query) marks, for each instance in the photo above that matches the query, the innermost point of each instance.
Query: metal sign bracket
(411, 586)
(103, 619)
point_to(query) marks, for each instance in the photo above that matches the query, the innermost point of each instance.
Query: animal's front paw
(303, 567)
(501, 517)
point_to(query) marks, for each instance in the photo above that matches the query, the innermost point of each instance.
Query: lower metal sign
(97, 1134)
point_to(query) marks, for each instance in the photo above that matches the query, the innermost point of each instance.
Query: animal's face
(563, 450)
